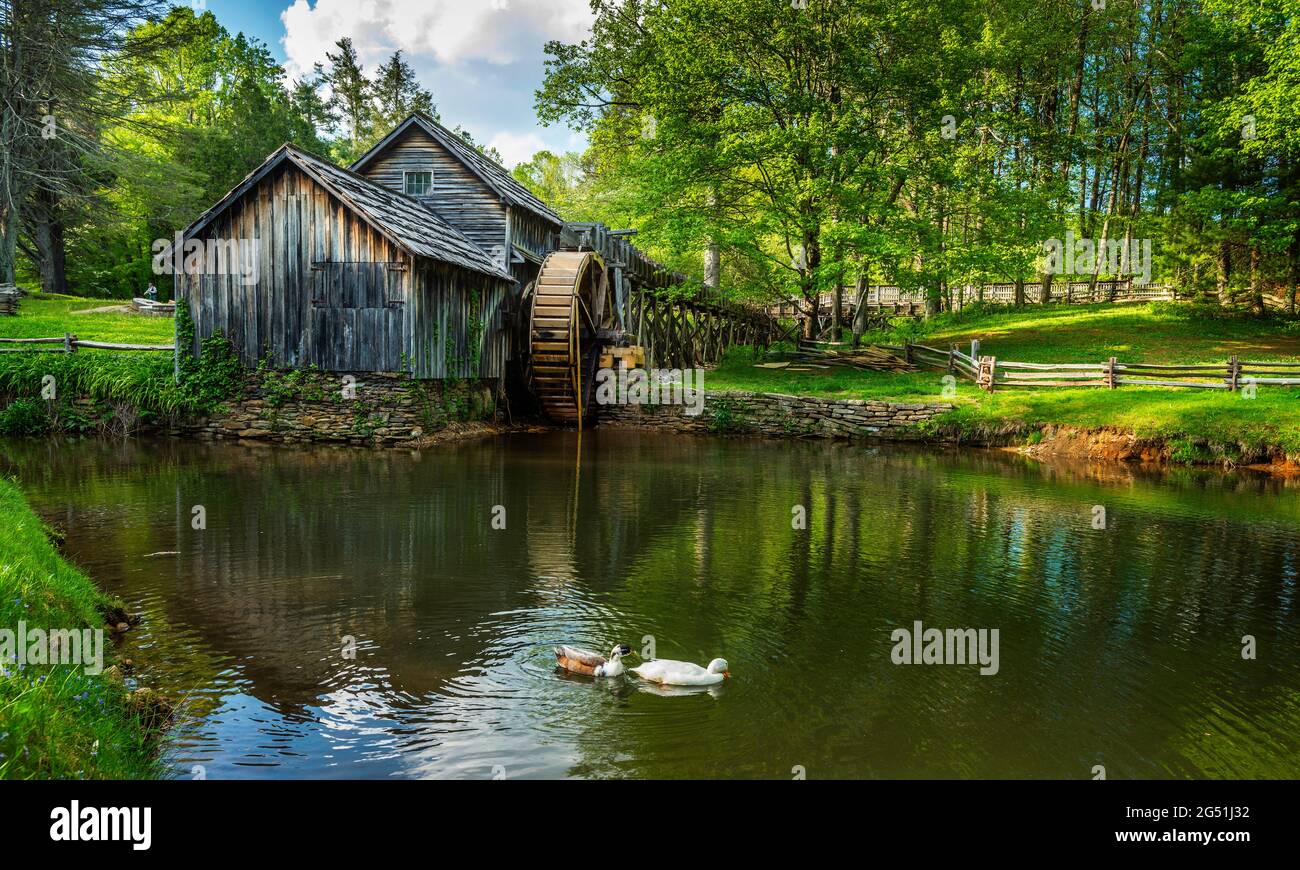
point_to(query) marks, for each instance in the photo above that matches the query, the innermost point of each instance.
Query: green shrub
(25, 418)
(728, 416)
(143, 383)
(214, 376)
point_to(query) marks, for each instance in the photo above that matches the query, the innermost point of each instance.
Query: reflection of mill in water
(553, 536)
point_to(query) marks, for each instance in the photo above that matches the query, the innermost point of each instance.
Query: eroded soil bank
(1050, 441)
(780, 416)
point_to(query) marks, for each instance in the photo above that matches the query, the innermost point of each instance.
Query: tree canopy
(819, 143)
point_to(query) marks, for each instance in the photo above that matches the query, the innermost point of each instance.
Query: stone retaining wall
(782, 416)
(381, 408)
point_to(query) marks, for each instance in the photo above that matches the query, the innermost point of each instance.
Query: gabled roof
(491, 173)
(399, 218)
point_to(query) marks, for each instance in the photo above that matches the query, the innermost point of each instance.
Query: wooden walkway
(680, 333)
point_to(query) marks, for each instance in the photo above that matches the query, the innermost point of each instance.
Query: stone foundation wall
(781, 416)
(380, 409)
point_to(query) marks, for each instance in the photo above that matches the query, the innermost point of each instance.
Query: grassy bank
(103, 390)
(58, 722)
(1156, 333)
(1201, 425)
(48, 315)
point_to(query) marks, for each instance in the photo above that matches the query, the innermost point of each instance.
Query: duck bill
(726, 675)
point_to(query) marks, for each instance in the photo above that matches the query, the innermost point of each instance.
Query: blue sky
(482, 59)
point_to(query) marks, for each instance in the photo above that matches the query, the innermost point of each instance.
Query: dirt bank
(1110, 444)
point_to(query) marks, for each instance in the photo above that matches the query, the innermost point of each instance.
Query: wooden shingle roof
(404, 221)
(491, 173)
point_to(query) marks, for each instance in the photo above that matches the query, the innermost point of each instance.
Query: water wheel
(563, 333)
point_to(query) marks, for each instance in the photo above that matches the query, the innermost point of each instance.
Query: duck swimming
(670, 673)
(582, 661)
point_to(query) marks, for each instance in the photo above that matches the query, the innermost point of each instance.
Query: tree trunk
(1256, 293)
(837, 313)
(9, 247)
(47, 232)
(712, 255)
(1225, 272)
(1294, 284)
(712, 265)
(860, 290)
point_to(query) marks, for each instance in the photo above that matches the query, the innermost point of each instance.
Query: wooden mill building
(349, 276)
(423, 159)
(422, 257)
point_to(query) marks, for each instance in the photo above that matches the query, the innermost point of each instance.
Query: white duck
(582, 661)
(667, 672)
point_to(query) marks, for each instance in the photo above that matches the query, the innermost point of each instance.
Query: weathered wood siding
(458, 327)
(333, 292)
(458, 195)
(329, 289)
(532, 233)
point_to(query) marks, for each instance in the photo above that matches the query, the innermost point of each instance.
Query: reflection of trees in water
(690, 540)
(1086, 616)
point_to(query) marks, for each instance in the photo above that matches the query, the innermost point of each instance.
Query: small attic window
(417, 183)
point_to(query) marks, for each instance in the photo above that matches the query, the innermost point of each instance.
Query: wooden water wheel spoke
(562, 333)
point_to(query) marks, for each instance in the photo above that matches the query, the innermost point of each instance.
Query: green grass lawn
(51, 315)
(142, 380)
(1158, 333)
(57, 721)
(1162, 332)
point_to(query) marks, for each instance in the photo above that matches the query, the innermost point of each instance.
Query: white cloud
(448, 32)
(516, 148)
(482, 59)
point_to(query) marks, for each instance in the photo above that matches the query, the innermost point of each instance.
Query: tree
(396, 93)
(55, 104)
(206, 112)
(765, 125)
(349, 97)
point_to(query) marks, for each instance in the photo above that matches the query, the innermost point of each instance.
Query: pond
(355, 613)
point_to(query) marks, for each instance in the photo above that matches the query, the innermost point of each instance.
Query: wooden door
(355, 318)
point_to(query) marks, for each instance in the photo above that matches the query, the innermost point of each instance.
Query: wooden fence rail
(893, 300)
(69, 343)
(989, 372)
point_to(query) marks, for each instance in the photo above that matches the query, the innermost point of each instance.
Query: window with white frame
(417, 183)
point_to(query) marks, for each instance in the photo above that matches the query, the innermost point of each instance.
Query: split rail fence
(69, 343)
(989, 372)
(893, 300)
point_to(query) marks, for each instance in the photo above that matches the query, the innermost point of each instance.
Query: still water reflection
(1119, 646)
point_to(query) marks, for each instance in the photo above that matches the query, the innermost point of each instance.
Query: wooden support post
(1110, 372)
(952, 359)
(1234, 373)
(69, 343)
(987, 372)
(975, 349)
